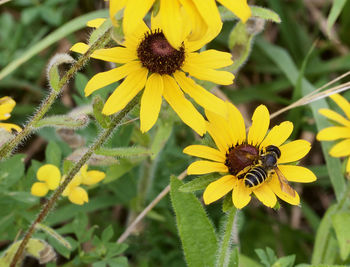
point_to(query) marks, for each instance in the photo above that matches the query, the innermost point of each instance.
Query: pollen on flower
(241, 156)
(158, 56)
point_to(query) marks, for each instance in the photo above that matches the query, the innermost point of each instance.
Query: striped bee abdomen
(255, 176)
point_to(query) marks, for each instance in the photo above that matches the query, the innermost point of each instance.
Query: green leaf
(227, 203)
(287, 261)
(265, 13)
(54, 37)
(116, 171)
(64, 121)
(196, 231)
(124, 152)
(11, 170)
(53, 154)
(245, 261)
(162, 135)
(336, 9)
(341, 223)
(51, 232)
(198, 183)
(107, 234)
(97, 105)
(98, 32)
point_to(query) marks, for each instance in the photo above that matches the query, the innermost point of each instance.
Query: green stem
(7, 148)
(225, 247)
(48, 206)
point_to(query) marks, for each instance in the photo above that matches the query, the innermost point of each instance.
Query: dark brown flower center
(158, 56)
(241, 156)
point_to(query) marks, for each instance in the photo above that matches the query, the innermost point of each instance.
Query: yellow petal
(93, 177)
(333, 133)
(39, 189)
(211, 59)
(342, 103)
(204, 98)
(95, 23)
(6, 106)
(172, 22)
(78, 196)
(134, 12)
(114, 54)
(218, 138)
(260, 125)
(206, 74)
(184, 108)
(103, 79)
(348, 166)
(278, 134)
(297, 174)
(221, 128)
(265, 195)
(275, 185)
(114, 7)
(197, 25)
(341, 149)
(126, 91)
(238, 7)
(50, 174)
(218, 189)
(205, 166)
(294, 151)
(205, 152)
(240, 195)
(236, 123)
(10, 127)
(334, 116)
(151, 102)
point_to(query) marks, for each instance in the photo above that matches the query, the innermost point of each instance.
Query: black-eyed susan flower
(50, 178)
(243, 159)
(202, 16)
(150, 62)
(340, 131)
(6, 106)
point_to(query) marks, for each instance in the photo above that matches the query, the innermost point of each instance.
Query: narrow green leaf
(198, 183)
(66, 29)
(341, 223)
(197, 233)
(107, 234)
(64, 121)
(97, 33)
(97, 105)
(125, 152)
(162, 135)
(54, 235)
(336, 9)
(265, 13)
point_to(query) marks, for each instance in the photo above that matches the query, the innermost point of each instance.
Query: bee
(266, 165)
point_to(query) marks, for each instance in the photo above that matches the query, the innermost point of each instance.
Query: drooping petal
(238, 7)
(134, 13)
(265, 195)
(205, 152)
(39, 189)
(103, 79)
(211, 59)
(342, 103)
(10, 126)
(6, 106)
(218, 189)
(275, 185)
(78, 196)
(93, 177)
(50, 174)
(151, 102)
(294, 151)
(115, 54)
(240, 195)
(205, 166)
(334, 116)
(341, 149)
(260, 125)
(333, 133)
(236, 123)
(114, 7)
(95, 23)
(297, 174)
(126, 91)
(278, 134)
(204, 98)
(206, 74)
(184, 108)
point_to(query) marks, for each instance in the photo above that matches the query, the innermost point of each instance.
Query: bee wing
(285, 187)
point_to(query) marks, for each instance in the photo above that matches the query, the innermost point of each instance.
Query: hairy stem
(75, 169)
(7, 148)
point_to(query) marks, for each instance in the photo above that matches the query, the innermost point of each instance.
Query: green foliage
(269, 258)
(341, 222)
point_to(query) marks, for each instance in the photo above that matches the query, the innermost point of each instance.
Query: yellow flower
(245, 159)
(148, 61)
(202, 16)
(340, 131)
(6, 106)
(50, 176)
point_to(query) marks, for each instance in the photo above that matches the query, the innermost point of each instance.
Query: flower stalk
(116, 121)
(6, 149)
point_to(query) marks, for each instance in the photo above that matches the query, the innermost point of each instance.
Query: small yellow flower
(239, 157)
(6, 106)
(50, 176)
(340, 131)
(201, 15)
(149, 62)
